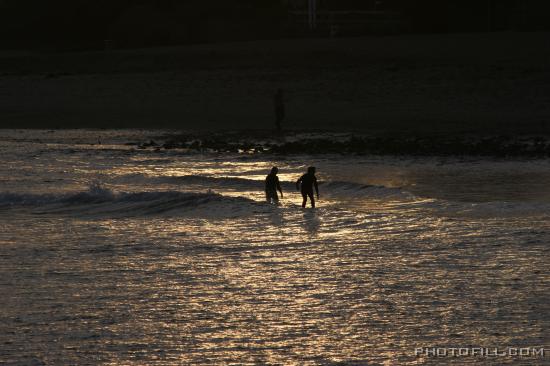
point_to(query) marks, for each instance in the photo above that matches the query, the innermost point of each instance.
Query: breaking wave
(100, 200)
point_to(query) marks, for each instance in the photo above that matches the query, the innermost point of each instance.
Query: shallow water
(116, 256)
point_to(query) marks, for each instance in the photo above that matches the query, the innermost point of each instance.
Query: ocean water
(111, 255)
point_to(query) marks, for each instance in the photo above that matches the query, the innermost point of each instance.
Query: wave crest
(100, 200)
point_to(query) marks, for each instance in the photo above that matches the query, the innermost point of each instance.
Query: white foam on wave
(100, 200)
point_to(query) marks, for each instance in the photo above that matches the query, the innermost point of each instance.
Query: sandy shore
(404, 84)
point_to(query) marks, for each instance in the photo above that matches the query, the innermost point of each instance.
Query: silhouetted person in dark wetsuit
(305, 184)
(272, 185)
(279, 104)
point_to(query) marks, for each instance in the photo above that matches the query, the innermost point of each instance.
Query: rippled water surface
(116, 256)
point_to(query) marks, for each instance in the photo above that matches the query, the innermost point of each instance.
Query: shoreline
(345, 143)
(298, 142)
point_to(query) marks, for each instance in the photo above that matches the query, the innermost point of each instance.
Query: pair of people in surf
(305, 185)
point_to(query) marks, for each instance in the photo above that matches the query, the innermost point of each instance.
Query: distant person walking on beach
(279, 103)
(305, 184)
(272, 185)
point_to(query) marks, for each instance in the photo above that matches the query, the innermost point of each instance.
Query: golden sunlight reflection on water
(248, 291)
(145, 271)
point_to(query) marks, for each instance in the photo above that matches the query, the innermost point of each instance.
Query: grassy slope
(404, 84)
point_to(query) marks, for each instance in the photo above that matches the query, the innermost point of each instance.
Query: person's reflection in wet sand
(276, 217)
(312, 223)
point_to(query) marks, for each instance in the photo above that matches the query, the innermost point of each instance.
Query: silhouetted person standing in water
(272, 185)
(306, 184)
(279, 103)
